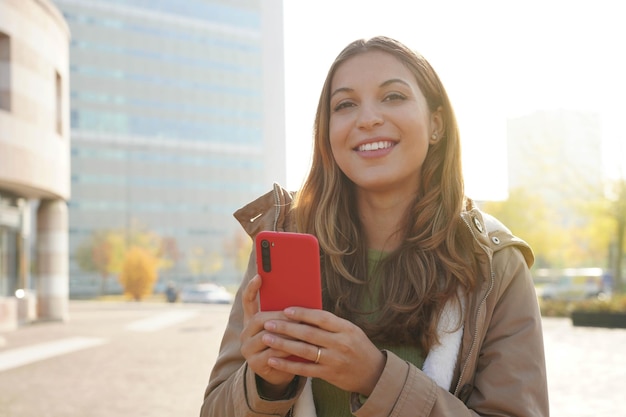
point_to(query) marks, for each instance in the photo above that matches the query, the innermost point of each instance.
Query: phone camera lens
(265, 255)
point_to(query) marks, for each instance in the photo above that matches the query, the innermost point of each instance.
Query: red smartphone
(289, 264)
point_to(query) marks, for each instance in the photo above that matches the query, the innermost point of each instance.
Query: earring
(434, 136)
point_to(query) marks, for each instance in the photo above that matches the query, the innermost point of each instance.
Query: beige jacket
(493, 366)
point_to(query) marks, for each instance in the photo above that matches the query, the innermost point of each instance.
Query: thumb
(249, 298)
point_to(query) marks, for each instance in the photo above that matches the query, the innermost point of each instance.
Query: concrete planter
(599, 319)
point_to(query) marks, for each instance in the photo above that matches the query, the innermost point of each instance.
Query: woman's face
(380, 125)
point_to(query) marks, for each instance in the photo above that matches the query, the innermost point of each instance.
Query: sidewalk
(586, 369)
(137, 359)
(154, 360)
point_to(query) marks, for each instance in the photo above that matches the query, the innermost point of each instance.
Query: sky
(496, 59)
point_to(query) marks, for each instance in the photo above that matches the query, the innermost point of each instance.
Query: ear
(436, 125)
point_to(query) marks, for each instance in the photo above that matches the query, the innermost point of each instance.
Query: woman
(429, 307)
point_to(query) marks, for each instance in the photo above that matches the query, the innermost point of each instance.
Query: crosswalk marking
(160, 321)
(23, 356)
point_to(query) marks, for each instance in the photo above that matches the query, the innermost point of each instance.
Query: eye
(343, 105)
(394, 96)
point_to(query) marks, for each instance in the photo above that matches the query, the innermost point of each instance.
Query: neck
(382, 217)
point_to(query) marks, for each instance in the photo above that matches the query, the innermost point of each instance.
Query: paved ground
(153, 368)
(586, 370)
(153, 360)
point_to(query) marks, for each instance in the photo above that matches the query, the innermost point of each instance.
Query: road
(153, 360)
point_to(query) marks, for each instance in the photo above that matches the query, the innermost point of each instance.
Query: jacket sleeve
(510, 375)
(507, 376)
(403, 390)
(232, 386)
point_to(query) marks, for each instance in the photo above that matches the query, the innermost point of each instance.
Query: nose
(369, 117)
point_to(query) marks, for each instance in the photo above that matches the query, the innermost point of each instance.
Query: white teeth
(374, 146)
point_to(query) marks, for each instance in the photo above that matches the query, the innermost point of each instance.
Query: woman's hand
(254, 350)
(347, 358)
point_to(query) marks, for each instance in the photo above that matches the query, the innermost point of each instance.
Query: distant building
(177, 119)
(34, 161)
(557, 155)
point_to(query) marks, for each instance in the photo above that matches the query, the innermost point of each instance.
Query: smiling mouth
(375, 146)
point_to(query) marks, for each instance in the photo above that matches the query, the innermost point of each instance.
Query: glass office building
(177, 119)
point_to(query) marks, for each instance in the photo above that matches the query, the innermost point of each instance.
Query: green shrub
(555, 308)
(615, 304)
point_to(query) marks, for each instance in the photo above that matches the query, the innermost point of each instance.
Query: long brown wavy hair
(435, 257)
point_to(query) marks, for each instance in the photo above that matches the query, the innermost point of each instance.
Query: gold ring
(319, 355)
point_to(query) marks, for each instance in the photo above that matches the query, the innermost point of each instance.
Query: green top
(331, 401)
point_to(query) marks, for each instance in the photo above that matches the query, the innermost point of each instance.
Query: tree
(139, 273)
(606, 231)
(237, 248)
(598, 233)
(168, 252)
(102, 253)
(527, 215)
(601, 236)
(617, 211)
(164, 249)
(202, 262)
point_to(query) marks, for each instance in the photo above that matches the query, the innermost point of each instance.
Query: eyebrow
(393, 81)
(340, 90)
(384, 84)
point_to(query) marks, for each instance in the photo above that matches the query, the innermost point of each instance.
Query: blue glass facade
(167, 114)
(134, 75)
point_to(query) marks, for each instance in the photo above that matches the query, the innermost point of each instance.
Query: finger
(256, 351)
(318, 318)
(253, 330)
(303, 350)
(255, 346)
(249, 298)
(338, 362)
(259, 364)
(290, 330)
(254, 327)
(293, 366)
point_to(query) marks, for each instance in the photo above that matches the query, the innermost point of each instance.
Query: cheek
(335, 151)
(421, 134)
(336, 137)
(338, 129)
(338, 150)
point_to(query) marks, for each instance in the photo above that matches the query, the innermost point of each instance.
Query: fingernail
(268, 339)
(270, 325)
(290, 311)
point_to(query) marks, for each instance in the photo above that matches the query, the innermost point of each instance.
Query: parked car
(574, 287)
(206, 293)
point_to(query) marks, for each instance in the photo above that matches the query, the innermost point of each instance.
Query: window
(5, 72)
